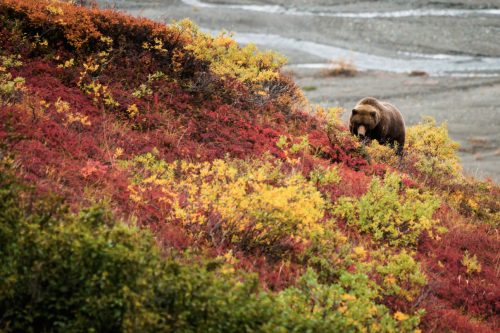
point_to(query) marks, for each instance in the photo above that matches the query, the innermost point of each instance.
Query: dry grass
(340, 67)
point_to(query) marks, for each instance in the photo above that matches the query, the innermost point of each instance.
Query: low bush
(435, 152)
(340, 67)
(392, 213)
(347, 306)
(430, 155)
(248, 64)
(398, 275)
(11, 89)
(254, 205)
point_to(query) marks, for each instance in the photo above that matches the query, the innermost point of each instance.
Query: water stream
(395, 14)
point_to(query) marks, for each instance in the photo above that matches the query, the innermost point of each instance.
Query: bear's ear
(354, 112)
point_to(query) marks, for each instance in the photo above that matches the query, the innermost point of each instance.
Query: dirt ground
(470, 105)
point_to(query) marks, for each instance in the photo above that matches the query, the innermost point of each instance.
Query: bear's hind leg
(399, 148)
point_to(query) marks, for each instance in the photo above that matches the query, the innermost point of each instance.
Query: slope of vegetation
(154, 178)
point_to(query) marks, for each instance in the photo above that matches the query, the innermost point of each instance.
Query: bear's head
(363, 119)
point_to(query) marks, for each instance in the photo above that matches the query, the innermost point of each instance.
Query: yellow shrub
(471, 264)
(381, 154)
(331, 117)
(247, 65)
(11, 89)
(251, 204)
(249, 210)
(435, 151)
(429, 145)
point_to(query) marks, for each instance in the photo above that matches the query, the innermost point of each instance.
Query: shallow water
(435, 65)
(394, 14)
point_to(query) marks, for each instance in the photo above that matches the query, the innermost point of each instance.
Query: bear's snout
(361, 130)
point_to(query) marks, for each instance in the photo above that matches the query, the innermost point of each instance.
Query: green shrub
(64, 272)
(389, 215)
(347, 306)
(391, 273)
(396, 275)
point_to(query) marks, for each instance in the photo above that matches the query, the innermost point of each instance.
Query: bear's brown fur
(378, 121)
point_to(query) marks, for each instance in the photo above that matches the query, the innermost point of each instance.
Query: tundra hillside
(154, 178)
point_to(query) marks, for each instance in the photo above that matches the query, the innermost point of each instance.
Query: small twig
(432, 285)
(107, 147)
(179, 141)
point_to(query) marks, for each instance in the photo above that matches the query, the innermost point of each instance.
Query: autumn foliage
(212, 154)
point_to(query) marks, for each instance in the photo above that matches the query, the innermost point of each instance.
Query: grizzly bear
(374, 120)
